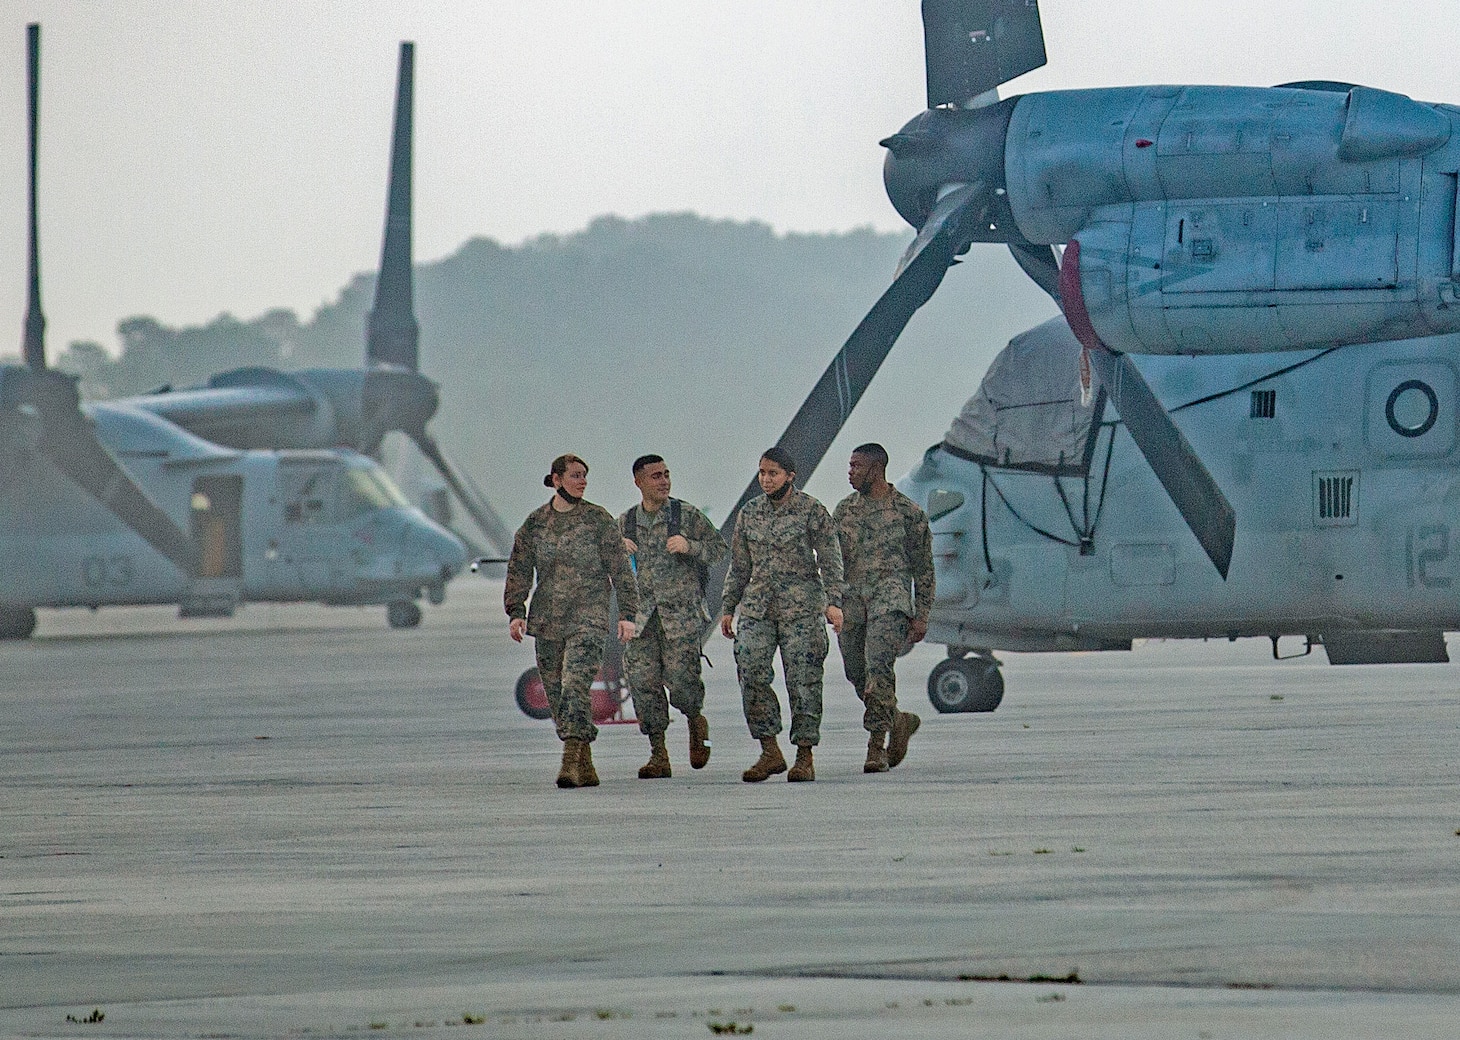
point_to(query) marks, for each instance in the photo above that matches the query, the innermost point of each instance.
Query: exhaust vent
(1336, 498)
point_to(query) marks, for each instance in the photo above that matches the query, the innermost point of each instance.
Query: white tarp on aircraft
(1027, 412)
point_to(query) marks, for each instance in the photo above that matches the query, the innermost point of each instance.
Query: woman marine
(579, 559)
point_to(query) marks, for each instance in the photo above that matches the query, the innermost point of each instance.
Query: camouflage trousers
(568, 668)
(803, 646)
(653, 661)
(870, 646)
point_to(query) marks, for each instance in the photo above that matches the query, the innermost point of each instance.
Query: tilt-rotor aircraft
(326, 408)
(1204, 229)
(109, 503)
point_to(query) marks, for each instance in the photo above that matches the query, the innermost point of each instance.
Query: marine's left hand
(677, 544)
(626, 631)
(916, 630)
(834, 615)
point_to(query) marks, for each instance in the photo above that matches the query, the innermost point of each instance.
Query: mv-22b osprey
(1205, 228)
(112, 503)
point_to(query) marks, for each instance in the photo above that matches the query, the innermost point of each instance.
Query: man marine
(887, 553)
(672, 545)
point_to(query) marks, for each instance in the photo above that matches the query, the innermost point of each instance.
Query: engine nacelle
(1233, 219)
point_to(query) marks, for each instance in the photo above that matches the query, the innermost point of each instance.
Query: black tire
(403, 614)
(966, 684)
(525, 682)
(16, 622)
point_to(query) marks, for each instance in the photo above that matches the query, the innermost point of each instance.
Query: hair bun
(547, 481)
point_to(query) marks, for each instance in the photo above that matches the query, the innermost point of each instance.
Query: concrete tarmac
(298, 822)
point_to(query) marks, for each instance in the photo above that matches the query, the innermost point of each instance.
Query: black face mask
(782, 492)
(572, 500)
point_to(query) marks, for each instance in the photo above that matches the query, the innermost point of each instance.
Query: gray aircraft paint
(63, 548)
(1349, 497)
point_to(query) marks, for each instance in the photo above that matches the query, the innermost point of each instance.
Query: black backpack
(631, 532)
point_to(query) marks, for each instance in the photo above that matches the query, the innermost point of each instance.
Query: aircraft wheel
(403, 614)
(16, 622)
(966, 684)
(531, 696)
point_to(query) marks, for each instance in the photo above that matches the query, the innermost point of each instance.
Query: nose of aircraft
(433, 551)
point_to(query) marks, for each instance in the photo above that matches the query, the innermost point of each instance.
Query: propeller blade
(392, 335)
(972, 46)
(952, 205)
(836, 393)
(485, 516)
(68, 440)
(1176, 464)
(34, 351)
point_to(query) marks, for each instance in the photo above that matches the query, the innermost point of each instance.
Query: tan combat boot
(657, 768)
(876, 753)
(903, 727)
(804, 770)
(587, 775)
(699, 742)
(570, 775)
(770, 762)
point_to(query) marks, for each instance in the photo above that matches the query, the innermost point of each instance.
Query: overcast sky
(231, 156)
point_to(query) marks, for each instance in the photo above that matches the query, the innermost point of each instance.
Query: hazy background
(201, 159)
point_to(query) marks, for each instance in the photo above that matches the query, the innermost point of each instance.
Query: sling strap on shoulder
(631, 521)
(631, 532)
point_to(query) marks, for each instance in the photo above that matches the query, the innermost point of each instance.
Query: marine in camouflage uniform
(672, 617)
(785, 570)
(887, 549)
(579, 559)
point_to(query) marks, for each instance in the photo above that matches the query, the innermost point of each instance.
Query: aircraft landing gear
(966, 683)
(16, 622)
(403, 614)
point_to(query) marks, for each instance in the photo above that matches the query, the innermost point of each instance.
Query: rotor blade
(392, 335)
(34, 350)
(485, 516)
(841, 386)
(954, 204)
(972, 46)
(68, 440)
(1176, 464)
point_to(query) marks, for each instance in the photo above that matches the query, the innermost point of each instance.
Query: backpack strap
(631, 524)
(673, 517)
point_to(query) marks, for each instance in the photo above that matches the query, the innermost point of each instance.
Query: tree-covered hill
(672, 333)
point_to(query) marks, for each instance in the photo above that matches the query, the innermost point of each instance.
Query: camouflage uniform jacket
(670, 582)
(888, 551)
(576, 554)
(784, 560)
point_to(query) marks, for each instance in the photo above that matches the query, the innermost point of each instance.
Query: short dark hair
(781, 457)
(646, 460)
(873, 451)
(560, 466)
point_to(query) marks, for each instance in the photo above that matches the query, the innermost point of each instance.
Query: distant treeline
(672, 333)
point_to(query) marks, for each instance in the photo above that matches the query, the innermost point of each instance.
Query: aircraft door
(217, 508)
(309, 542)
